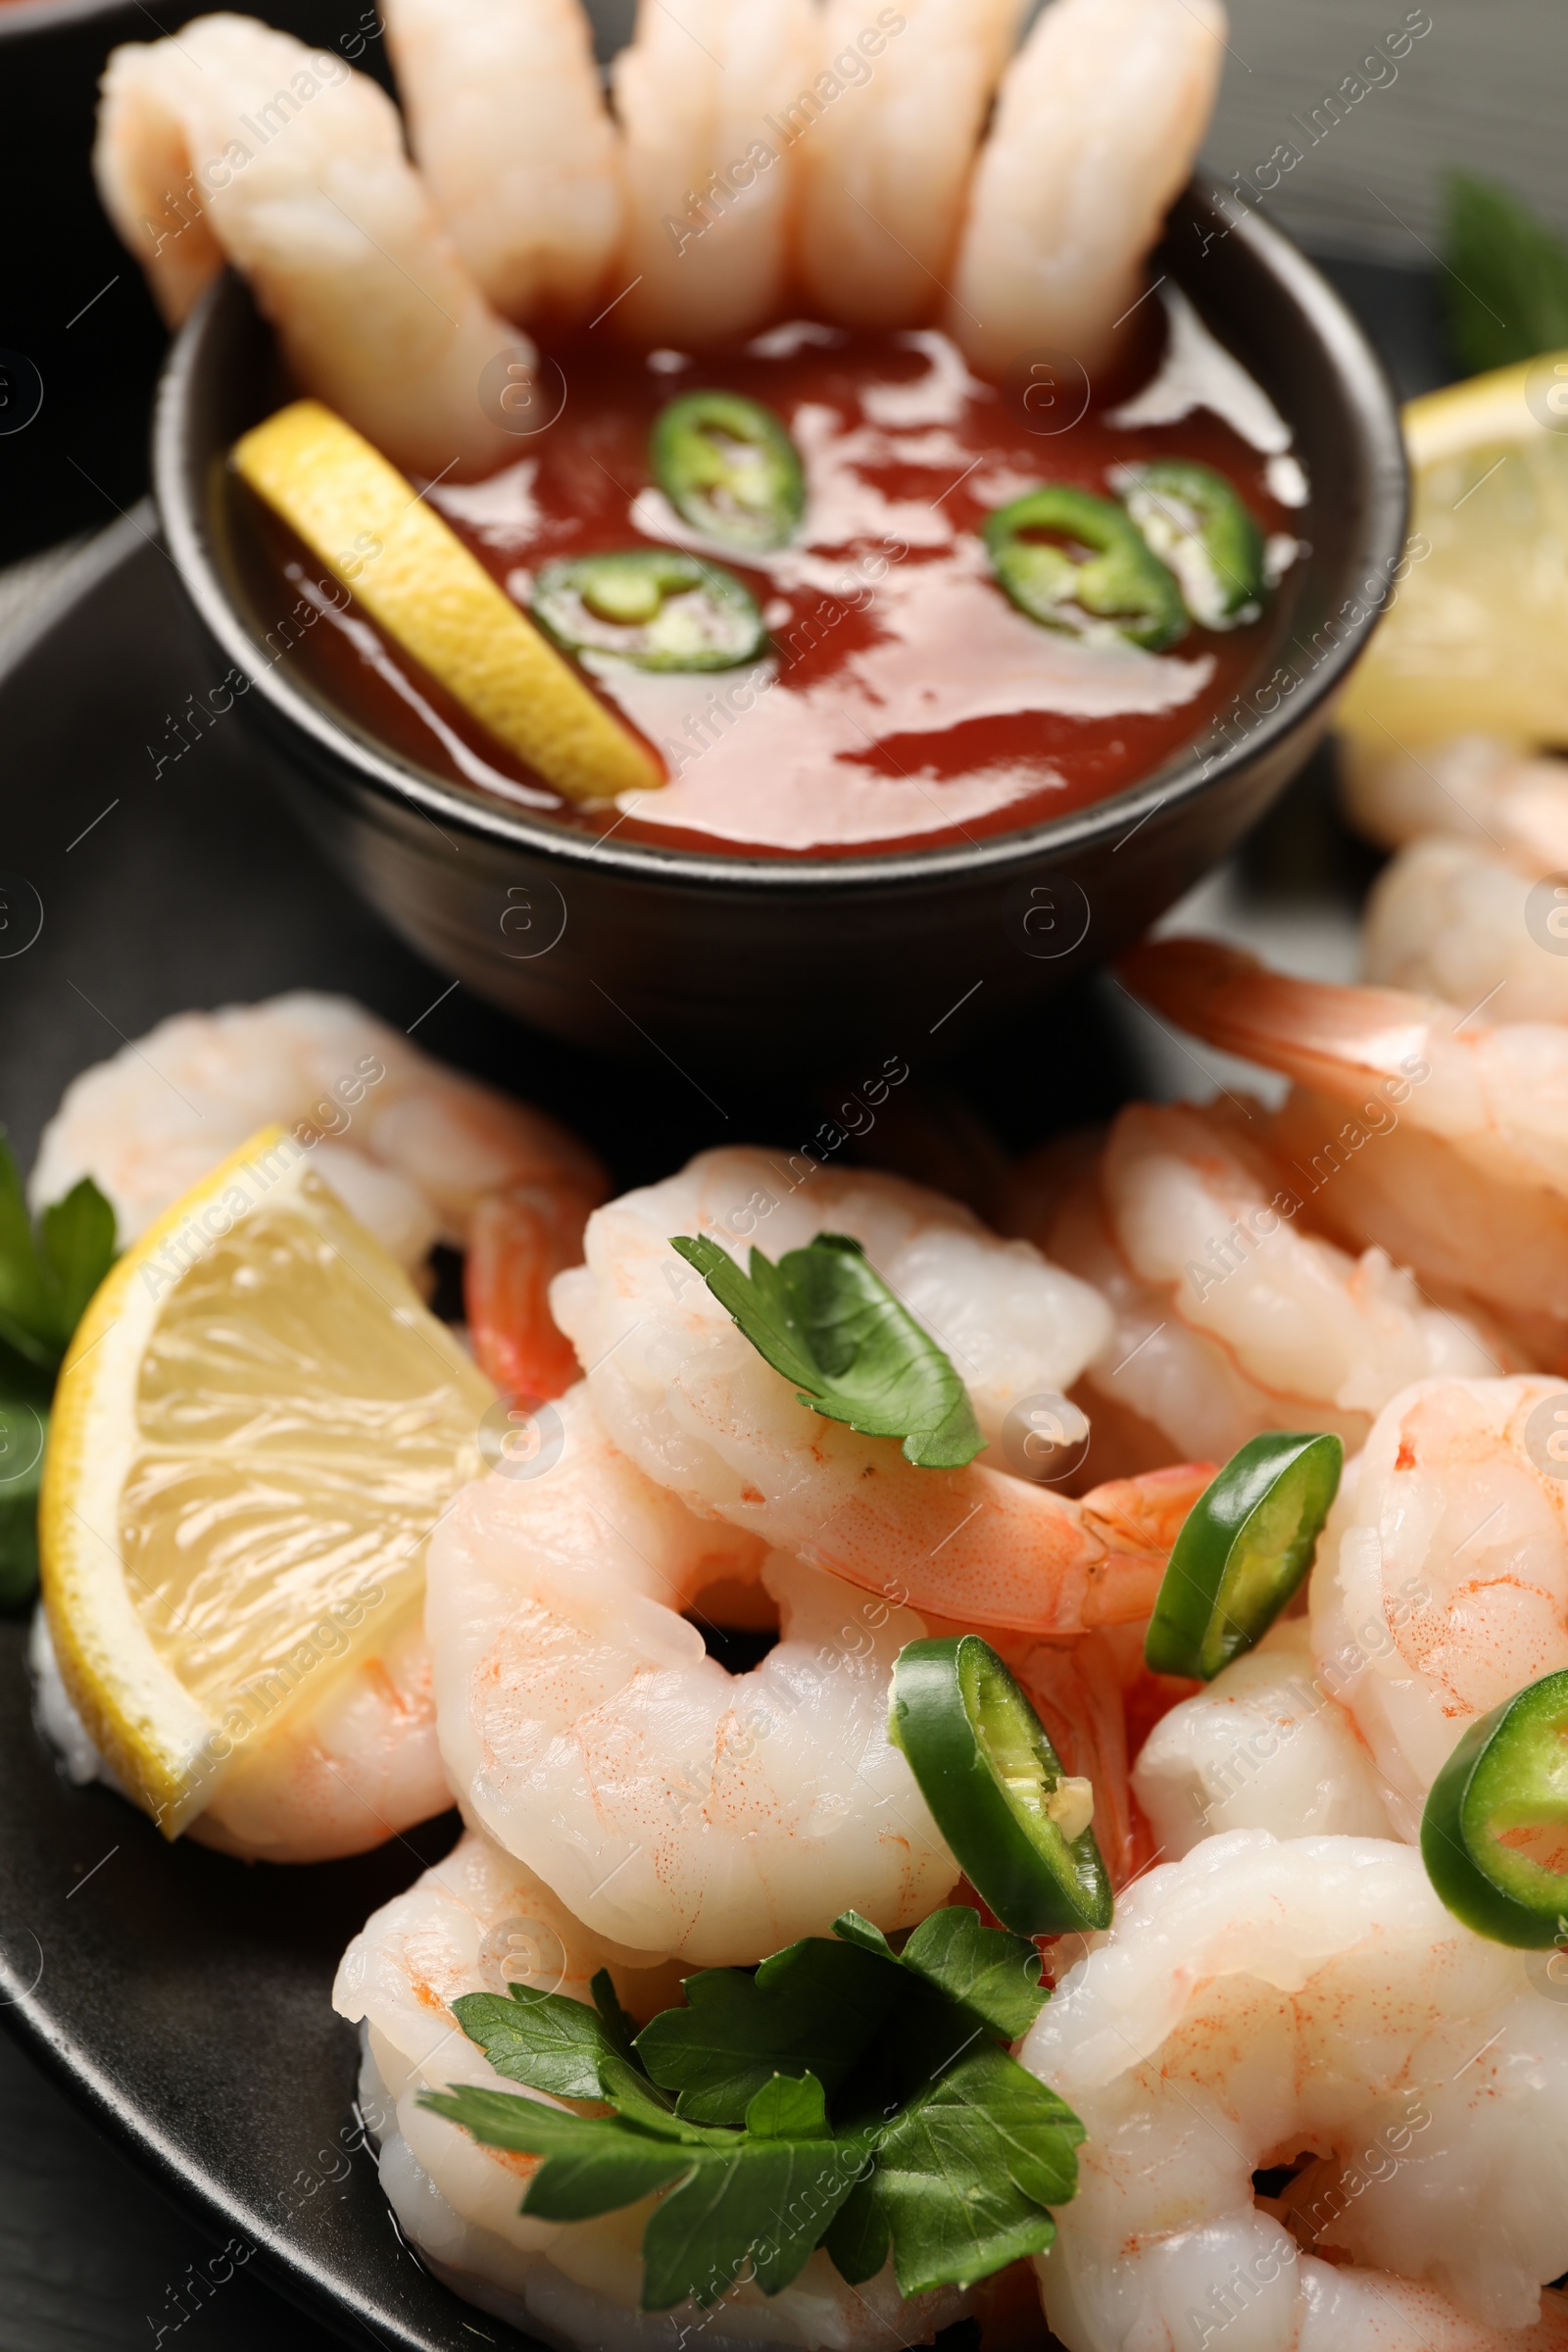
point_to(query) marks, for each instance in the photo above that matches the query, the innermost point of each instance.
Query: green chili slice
(729, 467)
(1095, 575)
(996, 1787)
(1495, 1833)
(652, 606)
(1246, 1546)
(1197, 524)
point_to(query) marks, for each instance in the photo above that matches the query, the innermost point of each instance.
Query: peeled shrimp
(689, 1400)
(480, 1922)
(1468, 1185)
(669, 1805)
(1461, 912)
(886, 166)
(1231, 1316)
(508, 120)
(1474, 788)
(1100, 117)
(1441, 1584)
(1262, 2001)
(712, 96)
(1444, 919)
(409, 1146)
(360, 1764)
(1264, 1746)
(234, 143)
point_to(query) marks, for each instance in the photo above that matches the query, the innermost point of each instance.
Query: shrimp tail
(519, 1242)
(1333, 1039)
(1137, 1521)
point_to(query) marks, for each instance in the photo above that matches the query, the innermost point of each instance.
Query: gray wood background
(1486, 89)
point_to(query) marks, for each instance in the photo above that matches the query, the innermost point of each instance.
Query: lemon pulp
(257, 1427)
(1476, 637)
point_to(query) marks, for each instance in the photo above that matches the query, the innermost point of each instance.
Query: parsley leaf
(47, 1277)
(762, 2209)
(826, 1321)
(77, 1243)
(592, 2165)
(546, 2040)
(945, 2152)
(815, 2004)
(961, 2176)
(1507, 276)
(789, 2107)
(755, 2202)
(993, 1976)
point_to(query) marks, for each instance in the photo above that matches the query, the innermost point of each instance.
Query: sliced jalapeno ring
(1197, 524)
(1019, 1826)
(1246, 1546)
(728, 466)
(652, 606)
(1494, 1832)
(1095, 576)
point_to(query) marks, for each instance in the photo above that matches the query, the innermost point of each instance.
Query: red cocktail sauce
(905, 702)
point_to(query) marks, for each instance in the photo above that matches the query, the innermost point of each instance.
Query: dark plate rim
(1369, 394)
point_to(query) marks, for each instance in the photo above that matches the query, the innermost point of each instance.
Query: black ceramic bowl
(607, 942)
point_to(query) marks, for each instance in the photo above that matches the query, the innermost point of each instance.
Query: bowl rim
(1370, 398)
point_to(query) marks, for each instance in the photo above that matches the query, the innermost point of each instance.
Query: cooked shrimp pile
(891, 167)
(1304, 2084)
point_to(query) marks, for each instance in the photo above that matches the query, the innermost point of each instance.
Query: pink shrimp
(690, 1400)
(1454, 1158)
(519, 1242)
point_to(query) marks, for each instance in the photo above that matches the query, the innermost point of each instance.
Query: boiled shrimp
(1460, 912)
(886, 166)
(1265, 1745)
(1441, 1584)
(671, 1804)
(1307, 2004)
(1231, 1316)
(480, 1921)
(1474, 788)
(1100, 117)
(519, 1240)
(234, 143)
(359, 1766)
(1455, 1157)
(712, 96)
(508, 120)
(413, 1148)
(684, 1394)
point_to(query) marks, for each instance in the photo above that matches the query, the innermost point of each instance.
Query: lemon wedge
(257, 1427)
(411, 574)
(1477, 640)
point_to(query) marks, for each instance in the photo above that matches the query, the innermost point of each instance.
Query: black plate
(179, 1997)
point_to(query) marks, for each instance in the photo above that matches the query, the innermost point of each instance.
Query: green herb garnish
(1507, 276)
(824, 1317)
(48, 1272)
(843, 2095)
